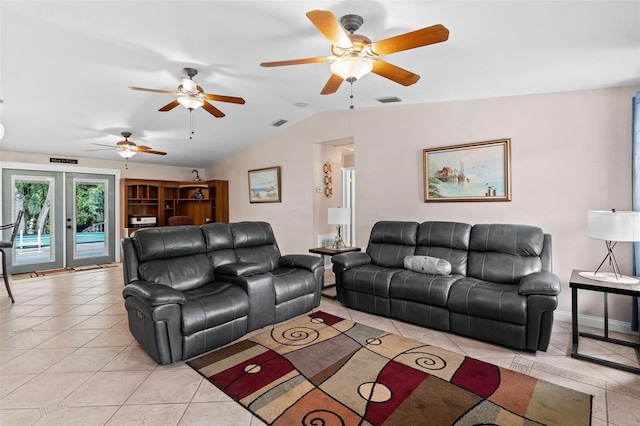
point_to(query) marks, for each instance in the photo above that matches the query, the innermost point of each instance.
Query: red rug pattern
(324, 370)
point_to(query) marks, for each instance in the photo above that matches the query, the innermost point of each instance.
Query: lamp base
(609, 277)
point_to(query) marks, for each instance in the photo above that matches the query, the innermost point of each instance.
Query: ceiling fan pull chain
(191, 123)
(351, 95)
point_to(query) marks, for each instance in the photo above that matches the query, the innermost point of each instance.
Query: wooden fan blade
(99, 149)
(330, 27)
(102, 144)
(394, 73)
(147, 150)
(212, 110)
(142, 89)
(221, 98)
(418, 38)
(171, 105)
(332, 85)
(298, 61)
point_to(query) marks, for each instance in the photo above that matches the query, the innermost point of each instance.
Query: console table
(330, 251)
(578, 282)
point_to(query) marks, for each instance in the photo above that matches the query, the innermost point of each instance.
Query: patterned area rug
(325, 370)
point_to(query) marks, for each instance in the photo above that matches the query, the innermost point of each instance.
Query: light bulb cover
(351, 68)
(190, 102)
(126, 151)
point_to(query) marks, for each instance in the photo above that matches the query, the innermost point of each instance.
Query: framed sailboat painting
(478, 171)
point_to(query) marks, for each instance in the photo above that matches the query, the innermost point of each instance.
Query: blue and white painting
(264, 185)
(476, 172)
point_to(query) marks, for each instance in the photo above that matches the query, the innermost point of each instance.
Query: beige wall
(129, 169)
(571, 152)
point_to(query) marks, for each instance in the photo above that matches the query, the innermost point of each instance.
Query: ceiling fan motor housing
(351, 23)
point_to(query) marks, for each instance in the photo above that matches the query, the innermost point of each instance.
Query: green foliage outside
(89, 206)
(34, 197)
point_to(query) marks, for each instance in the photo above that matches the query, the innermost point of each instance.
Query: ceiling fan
(191, 96)
(128, 149)
(355, 55)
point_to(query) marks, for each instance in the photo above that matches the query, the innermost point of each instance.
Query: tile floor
(67, 358)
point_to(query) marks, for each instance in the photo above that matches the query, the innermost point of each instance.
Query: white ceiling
(66, 66)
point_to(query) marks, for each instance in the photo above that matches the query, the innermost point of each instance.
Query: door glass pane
(34, 195)
(90, 221)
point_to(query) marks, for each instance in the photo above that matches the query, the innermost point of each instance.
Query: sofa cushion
(182, 273)
(490, 300)
(445, 240)
(504, 253)
(390, 242)
(211, 305)
(254, 242)
(291, 283)
(427, 289)
(167, 242)
(427, 265)
(219, 242)
(369, 279)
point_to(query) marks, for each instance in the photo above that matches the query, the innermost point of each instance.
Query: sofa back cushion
(445, 240)
(175, 256)
(504, 253)
(254, 242)
(219, 242)
(390, 242)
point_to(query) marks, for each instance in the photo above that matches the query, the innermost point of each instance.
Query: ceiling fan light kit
(354, 55)
(352, 68)
(191, 102)
(126, 152)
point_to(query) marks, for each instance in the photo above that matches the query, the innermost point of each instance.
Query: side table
(579, 282)
(330, 251)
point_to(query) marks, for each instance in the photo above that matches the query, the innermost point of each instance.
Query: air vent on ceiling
(279, 123)
(389, 100)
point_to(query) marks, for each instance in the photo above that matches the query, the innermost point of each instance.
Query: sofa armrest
(351, 259)
(239, 269)
(262, 297)
(301, 261)
(152, 294)
(543, 283)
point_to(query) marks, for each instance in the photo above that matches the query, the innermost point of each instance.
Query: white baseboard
(596, 322)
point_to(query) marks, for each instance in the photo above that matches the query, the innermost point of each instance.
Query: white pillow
(427, 265)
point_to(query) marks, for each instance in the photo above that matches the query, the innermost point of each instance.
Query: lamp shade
(351, 68)
(614, 225)
(338, 216)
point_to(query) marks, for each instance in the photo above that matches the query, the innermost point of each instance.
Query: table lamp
(338, 216)
(612, 227)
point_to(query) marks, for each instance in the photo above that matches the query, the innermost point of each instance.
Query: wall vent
(389, 100)
(279, 122)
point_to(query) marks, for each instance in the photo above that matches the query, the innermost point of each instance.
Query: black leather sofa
(190, 289)
(500, 288)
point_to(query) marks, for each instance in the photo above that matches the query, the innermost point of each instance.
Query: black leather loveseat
(497, 285)
(190, 289)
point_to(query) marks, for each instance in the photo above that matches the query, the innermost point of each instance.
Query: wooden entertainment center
(205, 201)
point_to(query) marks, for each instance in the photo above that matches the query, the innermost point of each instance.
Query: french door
(69, 218)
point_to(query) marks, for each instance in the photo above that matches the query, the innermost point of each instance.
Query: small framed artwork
(478, 171)
(264, 185)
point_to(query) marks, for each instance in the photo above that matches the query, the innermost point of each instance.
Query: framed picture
(471, 172)
(264, 185)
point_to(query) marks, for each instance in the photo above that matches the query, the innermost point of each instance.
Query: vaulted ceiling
(66, 67)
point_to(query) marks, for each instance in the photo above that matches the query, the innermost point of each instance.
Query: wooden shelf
(164, 199)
